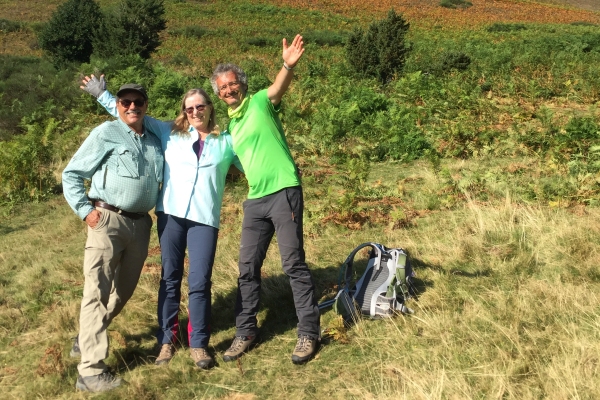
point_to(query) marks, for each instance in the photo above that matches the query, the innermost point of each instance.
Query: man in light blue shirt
(124, 162)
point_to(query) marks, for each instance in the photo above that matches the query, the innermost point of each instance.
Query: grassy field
(503, 225)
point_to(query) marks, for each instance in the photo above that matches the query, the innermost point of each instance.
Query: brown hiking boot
(305, 349)
(240, 345)
(202, 358)
(167, 351)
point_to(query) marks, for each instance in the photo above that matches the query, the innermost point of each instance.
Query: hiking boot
(97, 383)
(305, 349)
(167, 351)
(240, 345)
(201, 358)
(75, 350)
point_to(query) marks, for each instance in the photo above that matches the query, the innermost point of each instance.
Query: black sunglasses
(126, 102)
(198, 107)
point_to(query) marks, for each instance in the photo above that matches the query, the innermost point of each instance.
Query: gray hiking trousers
(280, 212)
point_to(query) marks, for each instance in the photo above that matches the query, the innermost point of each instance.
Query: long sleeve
(82, 166)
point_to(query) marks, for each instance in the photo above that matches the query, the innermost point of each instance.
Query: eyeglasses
(198, 107)
(230, 85)
(126, 102)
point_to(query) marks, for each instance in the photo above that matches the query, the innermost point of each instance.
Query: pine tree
(381, 51)
(68, 36)
(132, 28)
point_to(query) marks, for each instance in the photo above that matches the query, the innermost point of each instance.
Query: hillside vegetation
(481, 158)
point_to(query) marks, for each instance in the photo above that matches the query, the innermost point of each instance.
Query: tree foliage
(381, 51)
(68, 36)
(133, 27)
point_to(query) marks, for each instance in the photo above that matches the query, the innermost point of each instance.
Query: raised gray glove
(95, 86)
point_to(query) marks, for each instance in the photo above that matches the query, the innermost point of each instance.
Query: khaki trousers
(115, 252)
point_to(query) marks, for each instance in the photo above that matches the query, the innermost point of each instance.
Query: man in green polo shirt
(274, 205)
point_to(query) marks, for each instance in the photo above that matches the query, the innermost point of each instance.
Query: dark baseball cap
(132, 87)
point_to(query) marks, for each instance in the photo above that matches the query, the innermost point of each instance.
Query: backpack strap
(345, 277)
(400, 257)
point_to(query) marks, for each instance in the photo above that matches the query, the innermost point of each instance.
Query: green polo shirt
(260, 144)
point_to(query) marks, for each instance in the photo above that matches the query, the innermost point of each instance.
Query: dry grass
(509, 309)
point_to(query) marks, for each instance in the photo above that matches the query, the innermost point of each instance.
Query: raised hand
(292, 53)
(93, 85)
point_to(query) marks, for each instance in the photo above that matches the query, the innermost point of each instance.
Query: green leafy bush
(381, 51)
(132, 28)
(259, 41)
(455, 3)
(25, 165)
(502, 27)
(68, 37)
(325, 38)
(192, 32)
(31, 91)
(181, 59)
(583, 23)
(9, 26)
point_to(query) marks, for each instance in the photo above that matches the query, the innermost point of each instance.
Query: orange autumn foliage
(428, 13)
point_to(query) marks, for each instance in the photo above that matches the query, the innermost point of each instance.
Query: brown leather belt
(101, 204)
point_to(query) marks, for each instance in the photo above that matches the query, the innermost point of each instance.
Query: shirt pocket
(127, 163)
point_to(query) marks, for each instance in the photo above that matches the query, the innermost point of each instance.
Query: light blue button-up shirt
(126, 170)
(193, 188)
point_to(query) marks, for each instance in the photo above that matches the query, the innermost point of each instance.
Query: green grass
(508, 305)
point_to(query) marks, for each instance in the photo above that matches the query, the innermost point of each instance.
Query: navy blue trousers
(174, 235)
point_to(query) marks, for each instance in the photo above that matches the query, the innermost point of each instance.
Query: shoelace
(203, 352)
(237, 343)
(107, 377)
(303, 344)
(166, 351)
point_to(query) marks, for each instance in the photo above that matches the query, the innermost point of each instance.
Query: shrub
(132, 28)
(583, 23)
(500, 27)
(31, 90)
(458, 61)
(181, 59)
(7, 26)
(68, 36)
(192, 32)
(257, 74)
(325, 38)
(25, 165)
(455, 3)
(381, 51)
(590, 42)
(259, 41)
(580, 133)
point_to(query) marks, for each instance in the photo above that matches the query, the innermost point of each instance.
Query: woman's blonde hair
(181, 125)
